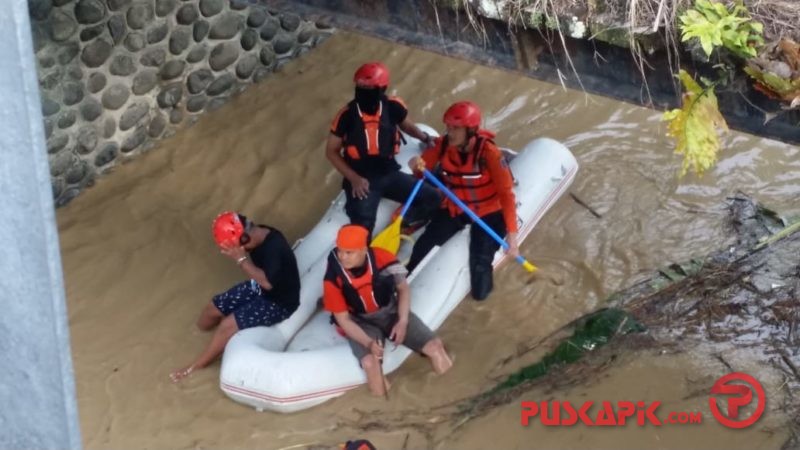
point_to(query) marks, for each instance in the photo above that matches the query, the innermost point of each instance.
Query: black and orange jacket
(370, 141)
(344, 291)
(480, 178)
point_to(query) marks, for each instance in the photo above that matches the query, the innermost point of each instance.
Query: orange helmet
(352, 237)
(228, 229)
(463, 114)
(372, 75)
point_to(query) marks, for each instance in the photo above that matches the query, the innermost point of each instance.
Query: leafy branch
(696, 125)
(715, 25)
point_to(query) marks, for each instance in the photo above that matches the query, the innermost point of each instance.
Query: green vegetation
(716, 25)
(594, 331)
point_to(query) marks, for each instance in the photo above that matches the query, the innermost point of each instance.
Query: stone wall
(116, 75)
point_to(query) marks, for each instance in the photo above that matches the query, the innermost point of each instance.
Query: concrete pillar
(37, 390)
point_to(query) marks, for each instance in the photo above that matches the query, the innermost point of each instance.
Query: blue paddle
(520, 259)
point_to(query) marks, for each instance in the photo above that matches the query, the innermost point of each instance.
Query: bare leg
(227, 328)
(209, 318)
(375, 379)
(440, 360)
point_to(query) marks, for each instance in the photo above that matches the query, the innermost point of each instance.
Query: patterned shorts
(250, 306)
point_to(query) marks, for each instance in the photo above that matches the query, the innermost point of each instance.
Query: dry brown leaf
(791, 53)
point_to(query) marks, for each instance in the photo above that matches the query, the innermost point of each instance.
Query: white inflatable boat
(303, 361)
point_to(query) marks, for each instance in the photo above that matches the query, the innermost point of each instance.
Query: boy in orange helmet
(365, 289)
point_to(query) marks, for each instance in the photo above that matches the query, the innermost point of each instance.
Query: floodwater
(140, 264)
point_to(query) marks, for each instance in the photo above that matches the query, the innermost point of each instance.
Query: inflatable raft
(303, 361)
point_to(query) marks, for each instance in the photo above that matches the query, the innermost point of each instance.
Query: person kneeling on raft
(366, 290)
(270, 296)
(475, 170)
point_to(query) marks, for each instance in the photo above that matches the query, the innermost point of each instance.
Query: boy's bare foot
(442, 362)
(180, 374)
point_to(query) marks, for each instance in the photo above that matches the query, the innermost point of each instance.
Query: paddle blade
(529, 267)
(389, 238)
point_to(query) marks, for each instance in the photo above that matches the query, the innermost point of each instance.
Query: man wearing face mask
(364, 139)
(474, 169)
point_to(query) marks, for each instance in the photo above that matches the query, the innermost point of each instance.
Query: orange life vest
(371, 134)
(468, 177)
(366, 293)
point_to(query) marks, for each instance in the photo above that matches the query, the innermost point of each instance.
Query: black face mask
(368, 99)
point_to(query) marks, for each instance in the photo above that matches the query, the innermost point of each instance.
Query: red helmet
(372, 75)
(463, 114)
(227, 229)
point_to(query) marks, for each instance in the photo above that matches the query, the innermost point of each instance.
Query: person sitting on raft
(363, 141)
(474, 169)
(270, 296)
(366, 291)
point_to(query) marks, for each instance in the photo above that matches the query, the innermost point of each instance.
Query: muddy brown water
(139, 262)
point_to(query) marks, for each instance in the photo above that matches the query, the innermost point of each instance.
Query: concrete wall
(602, 66)
(37, 391)
(116, 75)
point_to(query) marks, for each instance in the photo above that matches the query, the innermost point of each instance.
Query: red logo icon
(741, 395)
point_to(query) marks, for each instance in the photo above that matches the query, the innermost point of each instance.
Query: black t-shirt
(374, 165)
(275, 257)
